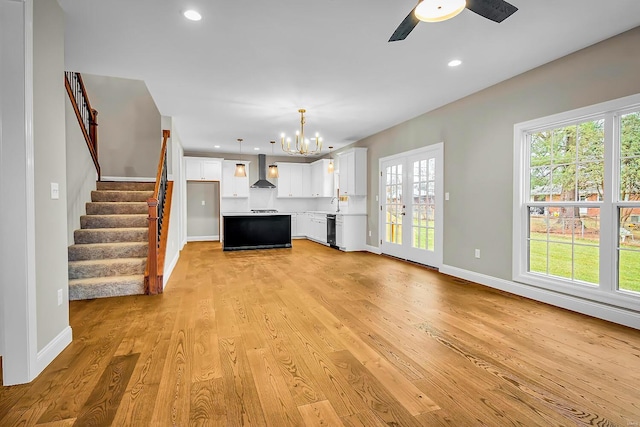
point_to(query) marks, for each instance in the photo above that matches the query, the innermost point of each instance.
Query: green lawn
(585, 261)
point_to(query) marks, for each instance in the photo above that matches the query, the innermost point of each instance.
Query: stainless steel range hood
(262, 174)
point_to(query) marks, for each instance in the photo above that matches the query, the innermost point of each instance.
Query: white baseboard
(203, 238)
(53, 349)
(373, 249)
(591, 308)
(169, 269)
(128, 178)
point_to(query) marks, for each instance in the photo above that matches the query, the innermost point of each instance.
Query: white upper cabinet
(352, 170)
(234, 186)
(294, 180)
(202, 169)
(321, 179)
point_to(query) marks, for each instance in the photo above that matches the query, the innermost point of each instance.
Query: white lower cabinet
(318, 228)
(294, 225)
(339, 228)
(351, 232)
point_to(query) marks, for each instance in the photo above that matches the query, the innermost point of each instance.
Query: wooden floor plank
(101, 406)
(319, 414)
(276, 401)
(207, 404)
(377, 398)
(414, 400)
(240, 394)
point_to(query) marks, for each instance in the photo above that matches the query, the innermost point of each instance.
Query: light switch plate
(446, 195)
(55, 191)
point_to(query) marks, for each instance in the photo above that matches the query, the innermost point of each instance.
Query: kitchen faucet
(337, 197)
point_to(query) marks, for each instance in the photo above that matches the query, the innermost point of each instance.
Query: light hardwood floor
(311, 336)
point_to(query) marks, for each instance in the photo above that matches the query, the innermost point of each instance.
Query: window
(576, 198)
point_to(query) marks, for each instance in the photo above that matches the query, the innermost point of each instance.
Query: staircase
(110, 251)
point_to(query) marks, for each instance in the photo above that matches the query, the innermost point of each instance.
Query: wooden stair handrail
(78, 94)
(158, 205)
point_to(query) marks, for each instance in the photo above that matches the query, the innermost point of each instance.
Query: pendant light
(273, 168)
(241, 170)
(331, 168)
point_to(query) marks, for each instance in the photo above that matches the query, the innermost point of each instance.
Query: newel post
(152, 259)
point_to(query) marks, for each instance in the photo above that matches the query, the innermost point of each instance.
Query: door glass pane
(393, 191)
(420, 202)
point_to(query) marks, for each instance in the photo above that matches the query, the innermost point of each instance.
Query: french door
(411, 199)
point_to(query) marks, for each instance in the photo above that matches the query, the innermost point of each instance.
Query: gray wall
(203, 220)
(50, 166)
(81, 173)
(129, 126)
(477, 132)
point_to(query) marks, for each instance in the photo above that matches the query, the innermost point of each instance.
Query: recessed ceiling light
(192, 15)
(216, 146)
(256, 149)
(454, 63)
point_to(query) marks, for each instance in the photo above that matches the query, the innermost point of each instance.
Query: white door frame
(439, 211)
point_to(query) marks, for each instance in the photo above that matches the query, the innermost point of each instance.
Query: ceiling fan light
(439, 10)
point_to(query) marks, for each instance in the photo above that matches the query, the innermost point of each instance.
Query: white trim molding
(203, 238)
(169, 269)
(373, 249)
(53, 349)
(590, 308)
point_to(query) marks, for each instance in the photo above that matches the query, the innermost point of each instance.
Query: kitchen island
(255, 230)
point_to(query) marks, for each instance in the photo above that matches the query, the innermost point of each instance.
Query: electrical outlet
(477, 253)
(446, 195)
(203, 203)
(59, 296)
(369, 233)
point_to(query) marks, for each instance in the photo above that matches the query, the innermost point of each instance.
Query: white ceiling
(245, 69)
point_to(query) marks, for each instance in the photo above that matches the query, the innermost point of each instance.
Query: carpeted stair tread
(102, 287)
(108, 250)
(116, 208)
(114, 221)
(120, 196)
(111, 235)
(106, 267)
(127, 186)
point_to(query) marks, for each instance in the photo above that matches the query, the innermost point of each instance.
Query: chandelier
(301, 146)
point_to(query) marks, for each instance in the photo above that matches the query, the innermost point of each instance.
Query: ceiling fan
(440, 10)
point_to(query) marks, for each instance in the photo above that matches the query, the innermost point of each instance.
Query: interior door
(411, 207)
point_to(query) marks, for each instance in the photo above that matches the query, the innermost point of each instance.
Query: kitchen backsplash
(262, 198)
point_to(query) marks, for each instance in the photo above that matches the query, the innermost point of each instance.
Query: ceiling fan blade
(495, 10)
(405, 27)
